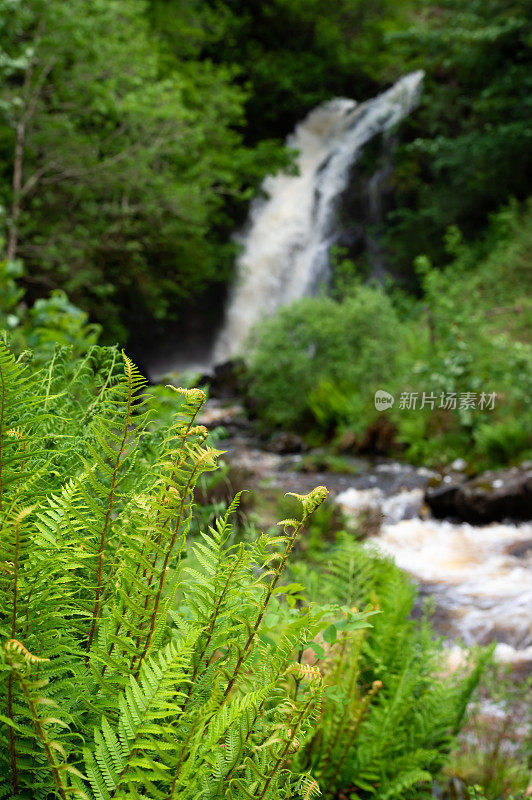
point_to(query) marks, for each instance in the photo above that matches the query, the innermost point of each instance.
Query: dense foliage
(388, 725)
(291, 54)
(122, 131)
(470, 333)
(468, 147)
(113, 175)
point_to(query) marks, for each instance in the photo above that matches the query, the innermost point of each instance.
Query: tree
(293, 54)
(467, 151)
(115, 177)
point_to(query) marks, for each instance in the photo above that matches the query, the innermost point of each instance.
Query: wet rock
(491, 497)
(495, 496)
(442, 499)
(521, 549)
(286, 442)
(231, 416)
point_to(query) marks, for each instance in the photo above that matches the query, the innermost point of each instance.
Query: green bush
(49, 322)
(316, 342)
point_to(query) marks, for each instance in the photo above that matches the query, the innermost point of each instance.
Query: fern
(136, 663)
(131, 665)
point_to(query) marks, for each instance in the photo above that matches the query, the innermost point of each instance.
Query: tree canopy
(134, 132)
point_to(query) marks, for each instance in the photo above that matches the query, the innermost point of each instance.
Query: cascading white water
(286, 245)
(480, 576)
(484, 588)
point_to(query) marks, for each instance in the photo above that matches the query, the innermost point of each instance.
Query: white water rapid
(480, 576)
(286, 244)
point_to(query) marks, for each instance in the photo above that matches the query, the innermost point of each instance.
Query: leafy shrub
(48, 322)
(317, 342)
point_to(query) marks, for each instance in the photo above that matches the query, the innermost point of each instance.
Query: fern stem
(264, 606)
(50, 370)
(102, 390)
(163, 570)
(209, 632)
(97, 605)
(2, 415)
(41, 735)
(297, 680)
(184, 433)
(259, 710)
(151, 578)
(246, 650)
(283, 755)
(377, 685)
(157, 543)
(182, 759)
(335, 737)
(15, 580)
(12, 745)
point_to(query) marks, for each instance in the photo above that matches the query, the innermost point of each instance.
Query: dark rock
(491, 497)
(441, 499)
(286, 442)
(226, 379)
(495, 496)
(231, 417)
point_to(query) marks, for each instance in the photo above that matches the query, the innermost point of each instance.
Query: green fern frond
(129, 754)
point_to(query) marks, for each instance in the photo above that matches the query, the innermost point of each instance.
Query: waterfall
(285, 247)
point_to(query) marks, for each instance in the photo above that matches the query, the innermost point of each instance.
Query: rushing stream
(479, 576)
